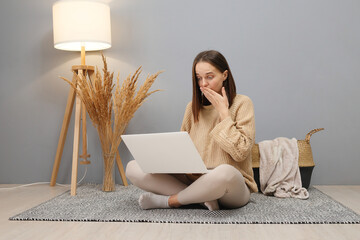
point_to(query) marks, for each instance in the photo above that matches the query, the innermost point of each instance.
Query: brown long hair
(217, 60)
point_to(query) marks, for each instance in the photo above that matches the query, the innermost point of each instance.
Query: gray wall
(297, 60)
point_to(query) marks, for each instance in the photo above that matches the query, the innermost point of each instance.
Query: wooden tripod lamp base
(79, 115)
(80, 118)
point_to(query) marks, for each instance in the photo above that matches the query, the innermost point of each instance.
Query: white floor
(17, 200)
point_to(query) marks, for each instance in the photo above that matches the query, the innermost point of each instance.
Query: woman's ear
(225, 75)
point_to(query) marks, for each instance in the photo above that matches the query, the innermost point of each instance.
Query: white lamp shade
(81, 23)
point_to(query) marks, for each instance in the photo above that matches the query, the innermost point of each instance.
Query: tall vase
(109, 173)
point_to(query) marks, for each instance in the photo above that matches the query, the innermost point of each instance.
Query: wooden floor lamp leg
(121, 168)
(62, 138)
(76, 145)
(84, 154)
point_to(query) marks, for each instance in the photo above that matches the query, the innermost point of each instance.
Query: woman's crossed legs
(224, 184)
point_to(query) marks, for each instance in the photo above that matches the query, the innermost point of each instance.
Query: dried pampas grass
(102, 103)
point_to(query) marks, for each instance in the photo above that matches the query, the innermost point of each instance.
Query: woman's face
(209, 76)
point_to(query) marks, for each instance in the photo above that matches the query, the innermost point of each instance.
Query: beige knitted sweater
(225, 142)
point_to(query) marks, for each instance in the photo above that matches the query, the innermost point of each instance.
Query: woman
(222, 127)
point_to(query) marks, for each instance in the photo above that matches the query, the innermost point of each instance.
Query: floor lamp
(80, 26)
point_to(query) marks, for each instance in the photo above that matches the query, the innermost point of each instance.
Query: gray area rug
(91, 204)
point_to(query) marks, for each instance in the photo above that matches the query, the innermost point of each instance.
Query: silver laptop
(172, 152)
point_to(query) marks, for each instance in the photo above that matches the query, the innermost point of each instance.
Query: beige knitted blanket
(279, 169)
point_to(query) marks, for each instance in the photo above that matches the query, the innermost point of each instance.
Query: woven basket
(306, 161)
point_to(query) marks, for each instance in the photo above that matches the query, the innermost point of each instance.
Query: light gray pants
(223, 183)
